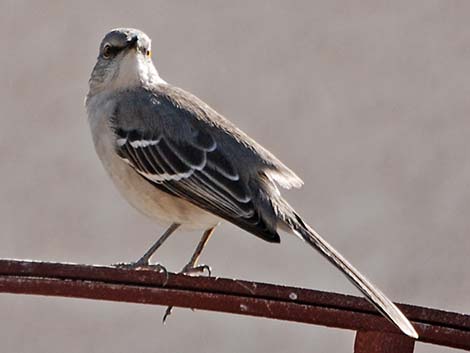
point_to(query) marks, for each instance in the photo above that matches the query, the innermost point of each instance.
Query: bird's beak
(132, 43)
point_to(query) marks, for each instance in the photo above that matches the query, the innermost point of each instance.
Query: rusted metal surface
(380, 342)
(226, 295)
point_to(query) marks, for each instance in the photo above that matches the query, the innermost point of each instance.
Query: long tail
(372, 293)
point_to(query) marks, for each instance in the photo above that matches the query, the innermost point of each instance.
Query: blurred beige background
(367, 101)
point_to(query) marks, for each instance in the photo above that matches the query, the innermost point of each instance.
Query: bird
(180, 162)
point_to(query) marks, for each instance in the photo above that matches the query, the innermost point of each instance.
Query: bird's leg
(192, 268)
(144, 261)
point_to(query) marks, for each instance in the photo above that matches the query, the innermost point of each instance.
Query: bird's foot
(145, 266)
(141, 265)
(193, 271)
(196, 271)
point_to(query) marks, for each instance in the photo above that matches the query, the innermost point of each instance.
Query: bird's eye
(148, 53)
(107, 51)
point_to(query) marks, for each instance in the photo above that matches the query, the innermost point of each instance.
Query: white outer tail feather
(372, 293)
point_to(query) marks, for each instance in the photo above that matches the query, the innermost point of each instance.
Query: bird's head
(124, 61)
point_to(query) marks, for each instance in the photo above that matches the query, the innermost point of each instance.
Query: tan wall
(367, 101)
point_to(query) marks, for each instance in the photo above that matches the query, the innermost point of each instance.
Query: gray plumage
(178, 161)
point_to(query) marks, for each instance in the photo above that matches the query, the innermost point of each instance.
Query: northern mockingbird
(178, 161)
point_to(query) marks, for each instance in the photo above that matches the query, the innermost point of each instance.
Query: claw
(190, 270)
(126, 265)
(140, 265)
(167, 313)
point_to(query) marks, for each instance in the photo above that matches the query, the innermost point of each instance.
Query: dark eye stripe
(111, 51)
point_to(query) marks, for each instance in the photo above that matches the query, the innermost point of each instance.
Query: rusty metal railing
(374, 333)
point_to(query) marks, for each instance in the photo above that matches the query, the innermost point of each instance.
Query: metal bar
(226, 295)
(380, 342)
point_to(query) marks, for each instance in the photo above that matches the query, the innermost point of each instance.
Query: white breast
(158, 205)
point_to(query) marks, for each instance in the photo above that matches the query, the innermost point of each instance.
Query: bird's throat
(135, 70)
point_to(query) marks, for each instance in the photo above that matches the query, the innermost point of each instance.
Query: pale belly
(156, 204)
(146, 198)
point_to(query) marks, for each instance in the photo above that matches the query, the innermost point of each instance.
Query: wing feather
(196, 163)
(192, 172)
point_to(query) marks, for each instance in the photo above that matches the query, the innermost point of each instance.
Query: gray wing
(181, 154)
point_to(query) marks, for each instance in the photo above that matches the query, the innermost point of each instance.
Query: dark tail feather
(373, 294)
